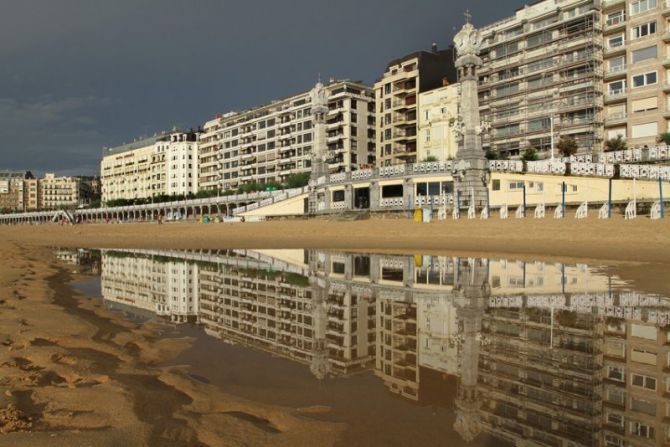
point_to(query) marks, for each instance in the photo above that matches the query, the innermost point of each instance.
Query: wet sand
(74, 373)
(613, 240)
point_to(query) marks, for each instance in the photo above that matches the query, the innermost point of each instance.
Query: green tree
(664, 138)
(492, 154)
(429, 159)
(616, 144)
(297, 180)
(529, 154)
(567, 146)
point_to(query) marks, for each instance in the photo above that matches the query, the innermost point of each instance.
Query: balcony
(615, 95)
(611, 4)
(615, 119)
(615, 24)
(615, 49)
(615, 72)
(666, 8)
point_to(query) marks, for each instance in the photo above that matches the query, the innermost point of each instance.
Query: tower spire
(468, 16)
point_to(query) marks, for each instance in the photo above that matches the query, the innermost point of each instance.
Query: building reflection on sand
(534, 353)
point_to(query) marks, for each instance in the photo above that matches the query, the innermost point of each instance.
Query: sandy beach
(73, 373)
(62, 354)
(590, 239)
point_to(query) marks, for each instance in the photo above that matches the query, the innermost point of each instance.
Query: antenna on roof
(468, 16)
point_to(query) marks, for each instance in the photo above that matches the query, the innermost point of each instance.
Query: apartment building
(637, 79)
(543, 64)
(269, 143)
(436, 136)
(12, 190)
(31, 194)
(149, 167)
(62, 192)
(164, 286)
(397, 99)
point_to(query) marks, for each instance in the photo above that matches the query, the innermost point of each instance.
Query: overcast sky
(77, 75)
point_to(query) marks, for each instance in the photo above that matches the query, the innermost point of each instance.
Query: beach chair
(582, 211)
(631, 211)
(604, 212)
(655, 211)
(503, 211)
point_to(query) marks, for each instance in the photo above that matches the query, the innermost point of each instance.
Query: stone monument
(471, 173)
(319, 152)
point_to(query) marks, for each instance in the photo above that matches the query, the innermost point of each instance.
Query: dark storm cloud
(76, 75)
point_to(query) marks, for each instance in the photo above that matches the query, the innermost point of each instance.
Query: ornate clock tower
(471, 173)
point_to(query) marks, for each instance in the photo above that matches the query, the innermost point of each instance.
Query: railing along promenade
(220, 206)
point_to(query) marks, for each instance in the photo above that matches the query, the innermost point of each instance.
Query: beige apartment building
(12, 190)
(436, 136)
(543, 63)
(269, 143)
(61, 192)
(636, 36)
(159, 165)
(397, 101)
(31, 194)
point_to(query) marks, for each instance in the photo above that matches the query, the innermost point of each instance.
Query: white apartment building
(162, 164)
(543, 63)
(62, 192)
(637, 69)
(269, 143)
(436, 136)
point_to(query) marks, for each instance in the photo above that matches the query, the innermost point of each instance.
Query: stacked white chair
(631, 212)
(582, 211)
(655, 211)
(539, 211)
(520, 212)
(604, 212)
(503, 211)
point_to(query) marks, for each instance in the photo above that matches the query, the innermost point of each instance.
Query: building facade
(150, 167)
(12, 190)
(541, 65)
(636, 36)
(54, 192)
(436, 136)
(397, 99)
(271, 142)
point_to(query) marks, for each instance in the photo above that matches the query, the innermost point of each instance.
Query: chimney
(218, 116)
(445, 82)
(434, 47)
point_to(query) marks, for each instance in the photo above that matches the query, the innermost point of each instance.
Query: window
(616, 132)
(615, 373)
(615, 18)
(642, 131)
(640, 6)
(644, 381)
(643, 406)
(513, 186)
(644, 79)
(616, 41)
(644, 431)
(539, 39)
(646, 104)
(642, 356)
(338, 196)
(617, 64)
(496, 185)
(645, 53)
(617, 87)
(643, 30)
(615, 419)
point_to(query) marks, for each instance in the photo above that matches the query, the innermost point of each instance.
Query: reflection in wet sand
(545, 353)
